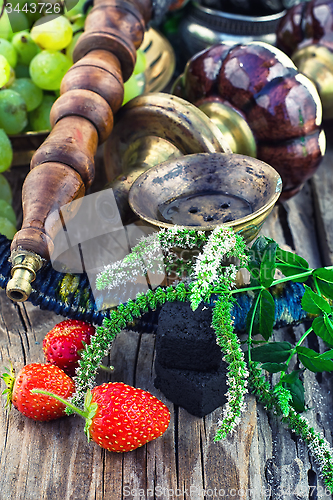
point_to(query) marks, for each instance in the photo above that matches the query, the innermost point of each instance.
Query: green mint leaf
(290, 264)
(313, 303)
(325, 274)
(264, 315)
(291, 259)
(255, 254)
(327, 355)
(322, 326)
(325, 281)
(290, 378)
(312, 360)
(274, 367)
(276, 352)
(292, 271)
(297, 392)
(268, 266)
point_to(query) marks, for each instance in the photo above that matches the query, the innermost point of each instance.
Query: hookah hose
(71, 295)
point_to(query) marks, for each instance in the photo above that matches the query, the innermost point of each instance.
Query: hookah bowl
(206, 190)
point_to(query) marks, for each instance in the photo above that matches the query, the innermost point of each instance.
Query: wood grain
(42, 461)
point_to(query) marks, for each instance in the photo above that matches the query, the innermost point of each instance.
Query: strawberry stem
(108, 369)
(82, 413)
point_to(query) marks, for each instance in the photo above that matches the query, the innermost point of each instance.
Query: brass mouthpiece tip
(25, 266)
(18, 288)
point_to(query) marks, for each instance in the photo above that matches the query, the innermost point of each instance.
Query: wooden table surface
(54, 461)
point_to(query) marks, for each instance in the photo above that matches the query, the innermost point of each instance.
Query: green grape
(5, 189)
(22, 71)
(11, 79)
(77, 9)
(6, 149)
(78, 25)
(18, 22)
(71, 46)
(39, 118)
(141, 62)
(47, 69)
(7, 228)
(25, 47)
(134, 86)
(6, 210)
(4, 71)
(13, 112)
(54, 34)
(31, 94)
(5, 27)
(8, 51)
(29, 11)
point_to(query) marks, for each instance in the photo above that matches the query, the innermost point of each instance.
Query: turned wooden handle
(88, 105)
(46, 189)
(63, 167)
(96, 80)
(73, 142)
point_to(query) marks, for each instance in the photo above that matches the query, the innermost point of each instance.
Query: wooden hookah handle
(82, 117)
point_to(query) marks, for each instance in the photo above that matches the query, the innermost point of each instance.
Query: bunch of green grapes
(135, 85)
(7, 215)
(35, 53)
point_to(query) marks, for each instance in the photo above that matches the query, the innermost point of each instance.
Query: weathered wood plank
(54, 461)
(322, 184)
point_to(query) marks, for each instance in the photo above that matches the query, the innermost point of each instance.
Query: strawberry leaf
(90, 410)
(9, 379)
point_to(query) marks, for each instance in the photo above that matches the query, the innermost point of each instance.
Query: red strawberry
(126, 417)
(122, 418)
(62, 345)
(41, 376)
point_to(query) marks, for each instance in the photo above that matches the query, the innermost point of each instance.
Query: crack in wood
(287, 233)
